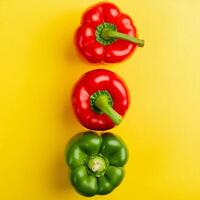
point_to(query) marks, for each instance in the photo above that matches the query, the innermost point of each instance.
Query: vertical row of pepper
(100, 100)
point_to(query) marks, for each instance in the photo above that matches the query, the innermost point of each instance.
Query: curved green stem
(103, 105)
(108, 33)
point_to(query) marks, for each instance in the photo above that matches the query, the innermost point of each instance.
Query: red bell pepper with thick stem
(100, 99)
(106, 34)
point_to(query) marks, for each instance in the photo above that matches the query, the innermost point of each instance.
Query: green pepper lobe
(96, 162)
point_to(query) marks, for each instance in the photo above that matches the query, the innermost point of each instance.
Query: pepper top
(106, 34)
(96, 162)
(100, 99)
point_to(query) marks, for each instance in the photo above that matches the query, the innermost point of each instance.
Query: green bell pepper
(96, 162)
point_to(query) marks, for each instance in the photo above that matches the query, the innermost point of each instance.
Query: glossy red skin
(90, 83)
(86, 40)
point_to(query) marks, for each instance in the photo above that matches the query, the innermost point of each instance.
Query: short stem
(97, 165)
(107, 33)
(102, 104)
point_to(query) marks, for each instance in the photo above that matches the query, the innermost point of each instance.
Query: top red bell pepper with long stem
(100, 99)
(106, 34)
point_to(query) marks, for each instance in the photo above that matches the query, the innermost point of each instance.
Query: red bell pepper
(100, 99)
(106, 34)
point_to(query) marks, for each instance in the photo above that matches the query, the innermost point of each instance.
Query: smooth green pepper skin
(96, 162)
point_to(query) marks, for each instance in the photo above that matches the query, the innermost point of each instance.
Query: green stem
(97, 165)
(108, 33)
(102, 104)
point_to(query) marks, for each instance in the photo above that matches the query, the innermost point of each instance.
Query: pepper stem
(102, 104)
(108, 33)
(97, 165)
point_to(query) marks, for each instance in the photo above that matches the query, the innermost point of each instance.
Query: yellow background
(38, 68)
